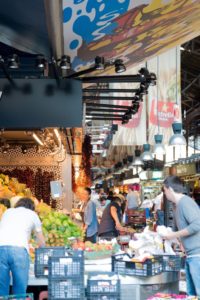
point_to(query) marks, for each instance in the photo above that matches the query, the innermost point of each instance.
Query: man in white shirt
(15, 229)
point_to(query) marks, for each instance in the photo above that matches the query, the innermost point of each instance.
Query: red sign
(163, 113)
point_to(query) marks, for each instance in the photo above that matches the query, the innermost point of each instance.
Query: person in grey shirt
(187, 218)
(132, 199)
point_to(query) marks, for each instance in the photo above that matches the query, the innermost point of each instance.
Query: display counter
(132, 287)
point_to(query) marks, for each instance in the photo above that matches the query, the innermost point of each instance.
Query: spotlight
(40, 62)
(1, 59)
(65, 62)
(119, 66)
(99, 63)
(24, 149)
(13, 61)
(152, 79)
(135, 107)
(143, 89)
(144, 72)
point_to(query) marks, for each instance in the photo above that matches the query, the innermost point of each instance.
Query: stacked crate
(66, 277)
(103, 286)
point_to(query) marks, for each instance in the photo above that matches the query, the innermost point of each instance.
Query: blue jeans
(15, 260)
(192, 269)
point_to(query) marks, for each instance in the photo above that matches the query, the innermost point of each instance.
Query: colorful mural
(130, 29)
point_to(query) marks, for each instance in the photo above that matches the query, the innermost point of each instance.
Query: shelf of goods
(150, 189)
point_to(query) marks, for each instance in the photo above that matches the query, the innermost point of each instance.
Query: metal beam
(106, 110)
(95, 90)
(114, 78)
(103, 115)
(105, 119)
(189, 85)
(94, 98)
(106, 105)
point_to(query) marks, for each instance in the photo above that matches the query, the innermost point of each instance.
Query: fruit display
(10, 187)
(102, 249)
(57, 227)
(2, 210)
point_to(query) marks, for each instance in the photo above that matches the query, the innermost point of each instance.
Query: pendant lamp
(159, 148)
(177, 139)
(146, 155)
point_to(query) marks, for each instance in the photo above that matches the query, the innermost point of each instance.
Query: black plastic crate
(42, 256)
(66, 289)
(171, 263)
(149, 267)
(66, 266)
(108, 286)
(103, 297)
(18, 297)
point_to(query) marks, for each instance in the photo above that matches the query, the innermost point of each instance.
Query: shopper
(15, 229)
(90, 225)
(187, 218)
(111, 218)
(132, 199)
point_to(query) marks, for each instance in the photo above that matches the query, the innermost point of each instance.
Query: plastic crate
(66, 266)
(109, 285)
(171, 263)
(103, 297)
(18, 297)
(149, 267)
(42, 257)
(66, 289)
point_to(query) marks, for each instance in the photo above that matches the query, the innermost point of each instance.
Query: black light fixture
(143, 88)
(1, 59)
(40, 62)
(144, 72)
(99, 63)
(13, 61)
(119, 66)
(65, 62)
(152, 79)
(135, 107)
(24, 149)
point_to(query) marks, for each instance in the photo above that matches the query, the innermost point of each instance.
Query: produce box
(66, 289)
(171, 263)
(161, 296)
(42, 255)
(18, 297)
(124, 265)
(103, 286)
(67, 267)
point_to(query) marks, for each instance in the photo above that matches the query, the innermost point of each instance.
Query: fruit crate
(66, 266)
(103, 286)
(70, 289)
(171, 263)
(42, 258)
(149, 267)
(18, 297)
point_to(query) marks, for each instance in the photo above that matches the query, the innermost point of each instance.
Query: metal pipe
(103, 115)
(107, 98)
(114, 78)
(107, 105)
(106, 110)
(103, 90)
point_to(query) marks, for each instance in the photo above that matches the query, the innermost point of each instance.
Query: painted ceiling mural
(133, 30)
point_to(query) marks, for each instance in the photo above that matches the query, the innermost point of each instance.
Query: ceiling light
(40, 62)
(13, 61)
(177, 138)
(37, 139)
(65, 62)
(24, 149)
(1, 59)
(146, 155)
(137, 160)
(119, 66)
(159, 149)
(99, 63)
